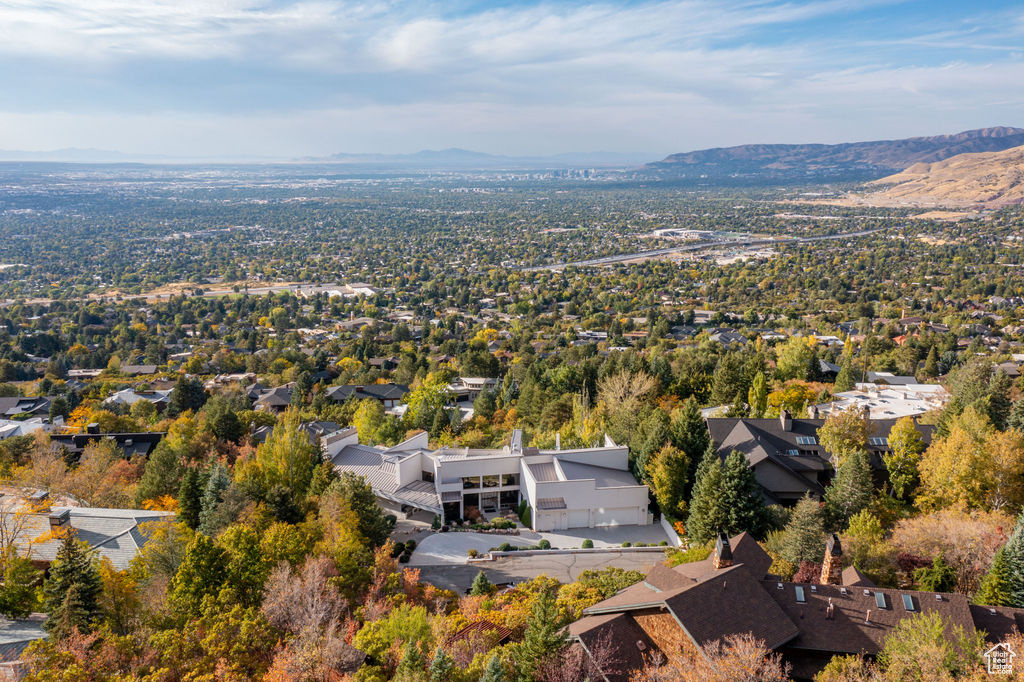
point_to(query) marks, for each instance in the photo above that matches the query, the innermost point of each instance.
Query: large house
(675, 610)
(787, 458)
(579, 488)
(131, 444)
(389, 395)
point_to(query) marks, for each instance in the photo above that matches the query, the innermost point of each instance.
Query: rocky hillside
(990, 179)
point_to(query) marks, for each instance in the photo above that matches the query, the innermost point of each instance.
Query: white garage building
(565, 489)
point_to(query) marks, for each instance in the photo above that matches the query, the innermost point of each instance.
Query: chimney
(723, 552)
(867, 616)
(558, 441)
(60, 517)
(832, 566)
(785, 420)
(812, 412)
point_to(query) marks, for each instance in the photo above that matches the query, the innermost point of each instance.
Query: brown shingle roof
(850, 631)
(622, 633)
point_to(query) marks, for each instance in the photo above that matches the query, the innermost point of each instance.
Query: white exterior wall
(410, 469)
(610, 458)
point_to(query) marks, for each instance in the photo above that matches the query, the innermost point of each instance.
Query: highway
(698, 246)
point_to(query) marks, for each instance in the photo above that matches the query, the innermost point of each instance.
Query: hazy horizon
(285, 79)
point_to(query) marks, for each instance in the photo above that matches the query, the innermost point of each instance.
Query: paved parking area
(448, 549)
(602, 536)
(513, 569)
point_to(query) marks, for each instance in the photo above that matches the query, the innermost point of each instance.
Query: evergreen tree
(493, 672)
(850, 491)
(190, 502)
(1016, 418)
(996, 587)
(931, 364)
(757, 397)
(543, 638)
(412, 662)
(442, 667)
(728, 379)
(804, 535)
(188, 394)
(71, 592)
(162, 475)
(481, 585)
(846, 379)
(213, 494)
(999, 404)
(1014, 550)
(707, 512)
(939, 577)
(741, 496)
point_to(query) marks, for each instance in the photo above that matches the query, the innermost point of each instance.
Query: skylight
(908, 602)
(880, 600)
(806, 440)
(800, 598)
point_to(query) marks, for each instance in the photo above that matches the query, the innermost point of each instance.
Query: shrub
(445, 528)
(410, 546)
(663, 543)
(588, 544)
(521, 509)
(436, 523)
(503, 524)
(391, 519)
(504, 547)
(627, 544)
(526, 517)
(404, 559)
(399, 548)
(472, 553)
(544, 544)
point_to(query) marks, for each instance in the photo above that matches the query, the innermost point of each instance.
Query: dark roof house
(690, 605)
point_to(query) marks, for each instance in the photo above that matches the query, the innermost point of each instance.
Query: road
(697, 246)
(566, 568)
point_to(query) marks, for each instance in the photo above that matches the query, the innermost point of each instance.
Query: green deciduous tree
(668, 473)
(844, 432)
(359, 497)
(902, 459)
(757, 396)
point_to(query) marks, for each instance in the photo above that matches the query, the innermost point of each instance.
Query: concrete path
(565, 568)
(602, 536)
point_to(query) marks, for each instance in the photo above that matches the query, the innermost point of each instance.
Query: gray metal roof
(380, 470)
(543, 472)
(604, 477)
(15, 635)
(545, 503)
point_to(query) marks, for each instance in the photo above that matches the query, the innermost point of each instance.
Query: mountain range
(815, 162)
(455, 157)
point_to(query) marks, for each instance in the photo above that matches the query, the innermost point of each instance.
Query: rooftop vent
(843, 590)
(780, 586)
(938, 597)
(867, 593)
(640, 645)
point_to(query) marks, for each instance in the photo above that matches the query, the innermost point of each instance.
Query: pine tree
(162, 475)
(216, 484)
(804, 535)
(996, 587)
(71, 592)
(850, 491)
(442, 667)
(188, 394)
(412, 662)
(931, 364)
(543, 638)
(1014, 550)
(1016, 418)
(481, 585)
(190, 502)
(741, 496)
(493, 672)
(846, 380)
(707, 511)
(999, 404)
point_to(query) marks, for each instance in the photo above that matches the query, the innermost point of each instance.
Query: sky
(292, 78)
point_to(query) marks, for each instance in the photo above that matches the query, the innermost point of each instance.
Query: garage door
(545, 521)
(579, 518)
(625, 516)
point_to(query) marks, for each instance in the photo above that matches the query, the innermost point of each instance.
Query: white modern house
(887, 401)
(580, 488)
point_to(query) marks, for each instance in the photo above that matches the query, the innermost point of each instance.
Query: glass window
(800, 594)
(806, 440)
(880, 600)
(509, 498)
(509, 479)
(491, 481)
(908, 602)
(428, 476)
(470, 482)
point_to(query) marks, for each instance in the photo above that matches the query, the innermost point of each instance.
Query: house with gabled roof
(680, 609)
